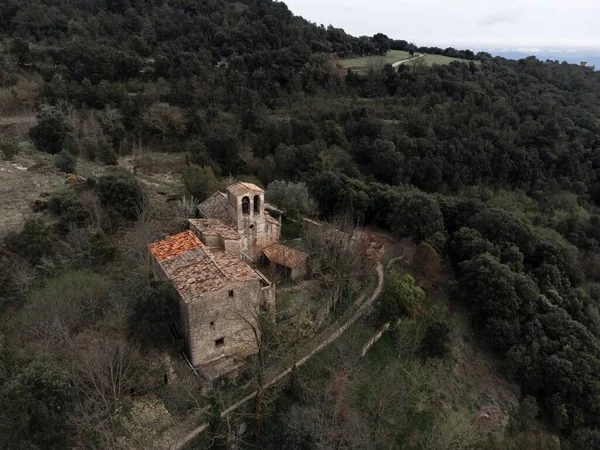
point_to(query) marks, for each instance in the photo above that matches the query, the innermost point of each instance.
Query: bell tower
(246, 204)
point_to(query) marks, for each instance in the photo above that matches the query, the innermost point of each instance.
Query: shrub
(153, 307)
(200, 182)
(293, 198)
(36, 408)
(99, 249)
(585, 438)
(65, 162)
(67, 205)
(107, 155)
(436, 340)
(66, 303)
(120, 191)
(51, 130)
(89, 148)
(9, 148)
(400, 297)
(34, 242)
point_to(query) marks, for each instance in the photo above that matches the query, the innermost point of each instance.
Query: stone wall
(217, 315)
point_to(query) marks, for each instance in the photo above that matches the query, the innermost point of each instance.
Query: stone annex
(220, 294)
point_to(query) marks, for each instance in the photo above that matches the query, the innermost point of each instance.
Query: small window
(230, 293)
(251, 226)
(220, 342)
(257, 204)
(246, 205)
(212, 326)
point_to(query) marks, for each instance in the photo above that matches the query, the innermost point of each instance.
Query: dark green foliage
(154, 308)
(293, 198)
(253, 88)
(99, 249)
(7, 280)
(67, 205)
(497, 225)
(417, 215)
(198, 153)
(585, 438)
(121, 192)
(468, 243)
(51, 130)
(200, 182)
(65, 162)
(107, 155)
(499, 297)
(36, 404)
(400, 297)
(436, 341)
(19, 49)
(66, 304)
(35, 241)
(9, 148)
(511, 256)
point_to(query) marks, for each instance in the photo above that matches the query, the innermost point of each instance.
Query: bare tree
(336, 257)
(165, 120)
(273, 347)
(187, 208)
(104, 371)
(98, 215)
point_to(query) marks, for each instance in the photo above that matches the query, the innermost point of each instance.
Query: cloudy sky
(464, 23)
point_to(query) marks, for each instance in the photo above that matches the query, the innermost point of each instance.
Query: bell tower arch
(246, 203)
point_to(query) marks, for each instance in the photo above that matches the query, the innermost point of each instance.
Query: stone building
(286, 262)
(220, 297)
(236, 221)
(220, 293)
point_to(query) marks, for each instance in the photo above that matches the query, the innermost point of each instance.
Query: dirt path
(350, 317)
(404, 61)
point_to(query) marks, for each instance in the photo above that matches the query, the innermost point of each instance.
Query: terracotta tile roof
(241, 187)
(175, 245)
(285, 256)
(271, 219)
(217, 207)
(231, 266)
(198, 269)
(214, 227)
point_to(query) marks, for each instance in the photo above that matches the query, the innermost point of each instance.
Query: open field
(367, 62)
(393, 56)
(440, 59)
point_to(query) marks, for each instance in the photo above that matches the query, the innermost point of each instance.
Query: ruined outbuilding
(286, 262)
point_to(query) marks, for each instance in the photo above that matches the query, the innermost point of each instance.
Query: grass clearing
(377, 62)
(368, 62)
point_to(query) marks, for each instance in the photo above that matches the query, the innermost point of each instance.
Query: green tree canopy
(51, 130)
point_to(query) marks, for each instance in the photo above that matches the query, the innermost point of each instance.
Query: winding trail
(353, 313)
(404, 61)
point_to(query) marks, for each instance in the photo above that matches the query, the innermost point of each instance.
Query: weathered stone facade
(241, 215)
(220, 297)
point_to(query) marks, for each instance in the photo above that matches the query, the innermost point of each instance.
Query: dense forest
(494, 164)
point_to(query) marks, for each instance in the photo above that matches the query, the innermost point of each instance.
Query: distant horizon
(538, 25)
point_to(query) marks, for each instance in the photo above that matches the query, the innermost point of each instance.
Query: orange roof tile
(241, 187)
(195, 269)
(214, 227)
(285, 256)
(175, 245)
(217, 207)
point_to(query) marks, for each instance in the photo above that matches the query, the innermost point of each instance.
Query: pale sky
(510, 24)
